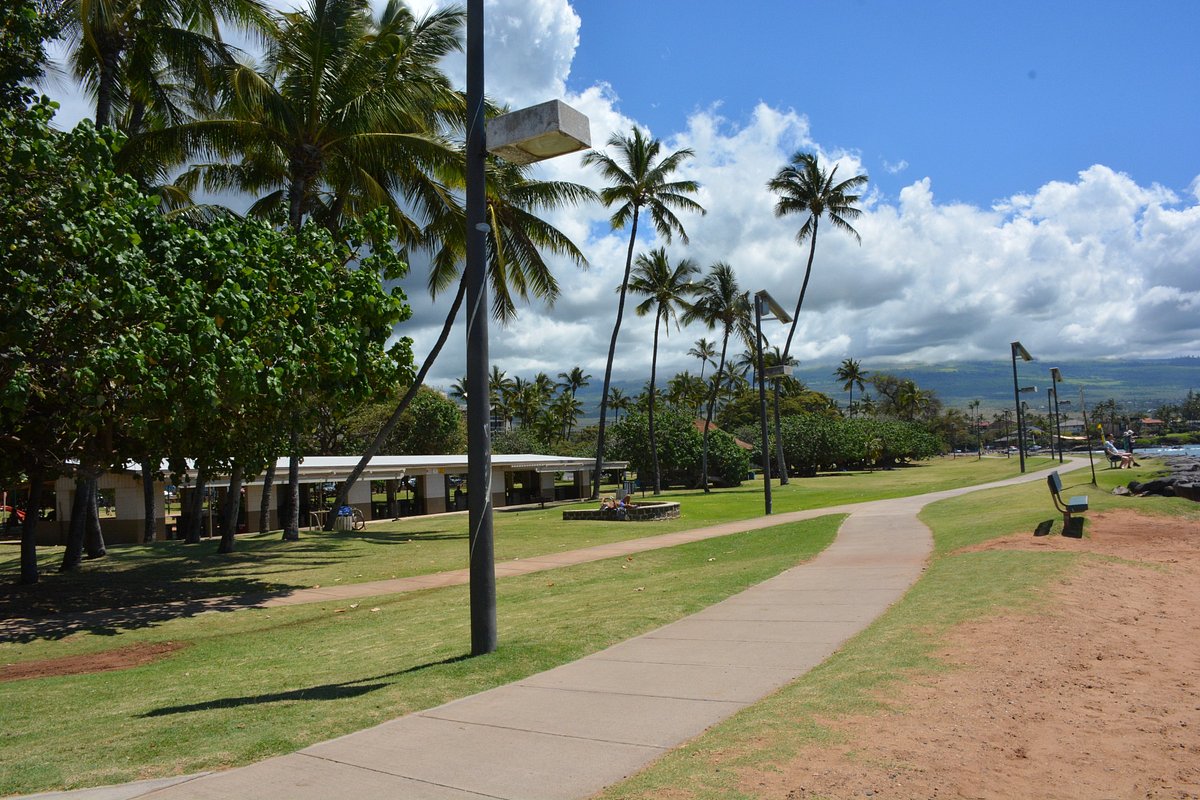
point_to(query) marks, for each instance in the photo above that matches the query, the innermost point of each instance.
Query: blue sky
(988, 99)
(1033, 168)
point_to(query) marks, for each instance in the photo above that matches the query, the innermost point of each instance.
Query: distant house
(1150, 425)
(699, 423)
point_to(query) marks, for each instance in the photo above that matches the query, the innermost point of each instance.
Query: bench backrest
(1054, 482)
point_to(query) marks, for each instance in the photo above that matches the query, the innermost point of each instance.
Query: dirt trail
(1100, 698)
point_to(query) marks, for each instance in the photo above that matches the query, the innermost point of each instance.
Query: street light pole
(763, 297)
(479, 436)
(762, 404)
(1019, 350)
(1055, 379)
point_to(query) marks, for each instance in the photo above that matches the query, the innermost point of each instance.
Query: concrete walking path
(570, 731)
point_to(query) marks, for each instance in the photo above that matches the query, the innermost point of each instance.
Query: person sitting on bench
(1114, 454)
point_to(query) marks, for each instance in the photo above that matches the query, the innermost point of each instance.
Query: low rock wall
(641, 512)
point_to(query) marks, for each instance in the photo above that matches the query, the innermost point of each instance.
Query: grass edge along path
(898, 647)
(270, 681)
(134, 575)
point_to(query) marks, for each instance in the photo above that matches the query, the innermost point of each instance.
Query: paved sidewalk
(570, 731)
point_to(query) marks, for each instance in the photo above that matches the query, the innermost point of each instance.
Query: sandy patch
(133, 655)
(1099, 698)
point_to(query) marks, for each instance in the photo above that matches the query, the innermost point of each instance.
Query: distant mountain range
(1137, 385)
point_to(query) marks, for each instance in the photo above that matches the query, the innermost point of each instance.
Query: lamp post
(524, 136)
(1019, 350)
(760, 298)
(1055, 380)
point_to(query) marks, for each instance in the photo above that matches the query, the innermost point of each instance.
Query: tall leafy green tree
(344, 116)
(720, 302)
(666, 289)
(639, 180)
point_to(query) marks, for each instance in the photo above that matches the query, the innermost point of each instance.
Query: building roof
(385, 467)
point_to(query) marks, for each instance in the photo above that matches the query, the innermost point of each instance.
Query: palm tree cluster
(542, 406)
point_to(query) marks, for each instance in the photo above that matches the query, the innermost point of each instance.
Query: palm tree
(516, 239)
(458, 389)
(574, 380)
(500, 388)
(719, 302)
(666, 289)
(851, 374)
(805, 188)
(685, 390)
(638, 181)
(343, 117)
(565, 410)
(704, 350)
(618, 401)
(135, 55)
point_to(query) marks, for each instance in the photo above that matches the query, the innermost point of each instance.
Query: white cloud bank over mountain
(1099, 266)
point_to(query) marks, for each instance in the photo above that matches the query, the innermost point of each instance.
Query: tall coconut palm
(516, 240)
(719, 302)
(343, 117)
(804, 187)
(704, 350)
(132, 55)
(851, 374)
(618, 401)
(574, 380)
(666, 289)
(639, 180)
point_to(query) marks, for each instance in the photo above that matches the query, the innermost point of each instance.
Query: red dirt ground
(122, 658)
(1099, 698)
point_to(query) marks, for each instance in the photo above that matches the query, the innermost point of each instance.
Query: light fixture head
(539, 132)
(776, 310)
(1019, 350)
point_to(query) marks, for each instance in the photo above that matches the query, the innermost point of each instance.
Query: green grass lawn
(146, 574)
(257, 683)
(901, 645)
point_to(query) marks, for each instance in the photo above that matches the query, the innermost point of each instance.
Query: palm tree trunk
(712, 401)
(291, 527)
(653, 371)
(105, 85)
(264, 506)
(229, 513)
(33, 508)
(93, 541)
(73, 553)
(779, 459)
(149, 529)
(390, 425)
(612, 352)
(812, 251)
(195, 506)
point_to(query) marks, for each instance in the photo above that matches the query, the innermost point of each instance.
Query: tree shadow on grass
(413, 536)
(143, 586)
(328, 691)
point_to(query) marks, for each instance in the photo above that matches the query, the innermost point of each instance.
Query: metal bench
(1074, 505)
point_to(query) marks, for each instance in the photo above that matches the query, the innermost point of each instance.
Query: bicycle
(359, 521)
